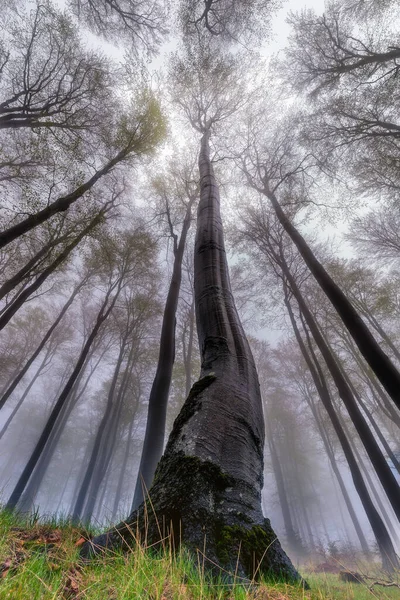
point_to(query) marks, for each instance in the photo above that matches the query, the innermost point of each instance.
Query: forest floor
(40, 562)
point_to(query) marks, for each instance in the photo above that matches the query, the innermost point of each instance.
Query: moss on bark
(197, 510)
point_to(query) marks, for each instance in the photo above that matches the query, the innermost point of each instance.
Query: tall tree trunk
(379, 362)
(207, 486)
(291, 536)
(122, 473)
(377, 392)
(27, 499)
(40, 347)
(153, 443)
(376, 494)
(60, 205)
(339, 478)
(23, 296)
(52, 421)
(374, 452)
(101, 438)
(388, 554)
(374, 424)
(106, 437)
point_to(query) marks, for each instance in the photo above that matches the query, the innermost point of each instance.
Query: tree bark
(52, 421)
(40, 347)
(379, 362)
(24, 295)
(188, 352)
(339, 478)
(153, 443)
(388, 554)
(60, 205)
(207, 487)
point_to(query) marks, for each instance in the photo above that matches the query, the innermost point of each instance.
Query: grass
(39, 561)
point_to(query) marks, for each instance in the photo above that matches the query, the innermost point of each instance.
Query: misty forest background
(99, 189)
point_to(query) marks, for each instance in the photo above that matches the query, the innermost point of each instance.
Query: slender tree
(266, 176)
(153, 443)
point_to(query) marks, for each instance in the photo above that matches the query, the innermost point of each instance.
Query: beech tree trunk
(39, 348)
(374, 452)
(58, 407)
(24, 295)
(292, 537)
(122, 473)
(101, 438)
(388, 554)
(153, 443)
(207, 487)
(339, 478)
(379, 362)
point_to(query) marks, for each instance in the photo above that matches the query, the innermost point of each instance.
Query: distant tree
(275, 168)
(115, 266)
(139, 306)
(177, 194)
(140, 23)
(230, 20)
(270, 240)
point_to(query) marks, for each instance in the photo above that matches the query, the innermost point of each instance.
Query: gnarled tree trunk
(207, 487)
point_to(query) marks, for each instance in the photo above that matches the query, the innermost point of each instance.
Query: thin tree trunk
(52, 421)
(122, 472)
(106, 437)
(374, 452)
(60, 205)
(375, 493)
(40, 347)
(373, 385)
(153, 443)
(291, 536)
(82, 496)
(28, 497)
(389, 559)
(375, 425)
(23, 296)
(339, 478)
(362, 404)
(379, 362)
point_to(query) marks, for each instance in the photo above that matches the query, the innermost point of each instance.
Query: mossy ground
(39, 561)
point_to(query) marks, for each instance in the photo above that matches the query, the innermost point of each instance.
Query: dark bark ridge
(207, 487)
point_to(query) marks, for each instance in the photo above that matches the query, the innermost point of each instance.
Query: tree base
(194, 503)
